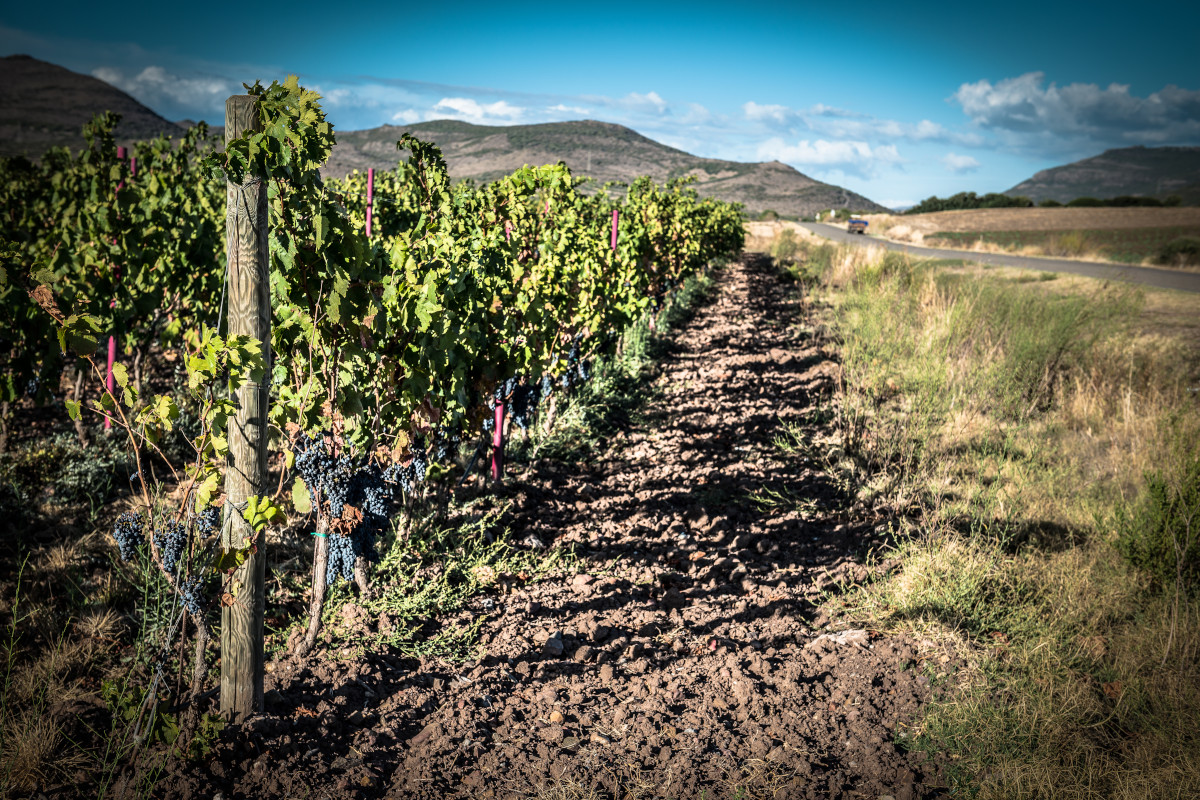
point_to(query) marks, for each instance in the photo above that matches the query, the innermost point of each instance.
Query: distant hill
(43, 105)
(1145, 171)
(600, 150)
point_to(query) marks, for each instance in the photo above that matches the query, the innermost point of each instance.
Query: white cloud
(635, 102)
(407, 115)
(470, 110)
(565, 109)
(1079, 115)
(696, 114)
(846, 156)
(840, 123)
(160, 89)
(960, 165)
(767, 113)
(647, 101)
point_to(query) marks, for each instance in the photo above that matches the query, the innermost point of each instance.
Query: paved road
(1149, 276)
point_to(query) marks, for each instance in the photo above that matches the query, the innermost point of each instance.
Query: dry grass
(1083, 681)
(760, 235)
(54, 642)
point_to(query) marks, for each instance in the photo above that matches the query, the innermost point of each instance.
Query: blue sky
(895, 101)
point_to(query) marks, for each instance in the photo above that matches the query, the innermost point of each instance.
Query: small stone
(599, 634)
(606, 673)
(556, 717)
(553, 647)
(600, 738)
(583, 653)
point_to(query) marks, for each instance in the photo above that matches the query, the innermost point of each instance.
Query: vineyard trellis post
(245, 476)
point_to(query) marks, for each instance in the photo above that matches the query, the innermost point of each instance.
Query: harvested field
(1036, 219)
(1120, 235)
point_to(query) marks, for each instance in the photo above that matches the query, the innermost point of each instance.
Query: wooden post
(245, 475)
(370, 198)
(616, 217)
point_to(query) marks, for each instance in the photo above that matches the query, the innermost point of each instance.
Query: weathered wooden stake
(616, 216)
(245, 475)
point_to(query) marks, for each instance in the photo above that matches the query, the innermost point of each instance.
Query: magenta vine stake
(370, 198)
(498, 443)
(616, 216)
(109, 382)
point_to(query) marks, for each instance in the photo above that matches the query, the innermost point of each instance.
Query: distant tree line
(1124, 201)
(965, 200)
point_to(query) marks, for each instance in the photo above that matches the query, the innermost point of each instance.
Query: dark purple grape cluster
(171, 541)
(403, 475)
(343, 551)
(207, 521)
(420, 461)
(446, 443)
(322, 473)
(313, 462)
(525, 400)
(191, 595)
(128, 533)
(578, 369)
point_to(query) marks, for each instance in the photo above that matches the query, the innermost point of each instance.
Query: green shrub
(1050, 202)
(1160, 533)
(1180, 251)
(1085, 202)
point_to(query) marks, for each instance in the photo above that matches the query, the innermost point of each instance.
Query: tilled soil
(696, 665)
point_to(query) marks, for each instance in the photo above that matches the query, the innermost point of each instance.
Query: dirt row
(689, 658)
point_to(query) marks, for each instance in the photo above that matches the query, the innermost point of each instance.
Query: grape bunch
(207, 521)
(128, 533)
(578, 369)
(403, 475)
(524, 400)
(344, 549)
(337, 484)
(446, 442)
(191, 595)
(313, 461)
(323, 473)
(420, 461)
(171, 541)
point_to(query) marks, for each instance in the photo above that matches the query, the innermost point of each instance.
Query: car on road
(857, 226)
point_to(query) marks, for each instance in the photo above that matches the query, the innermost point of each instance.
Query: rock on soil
(697, 665)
